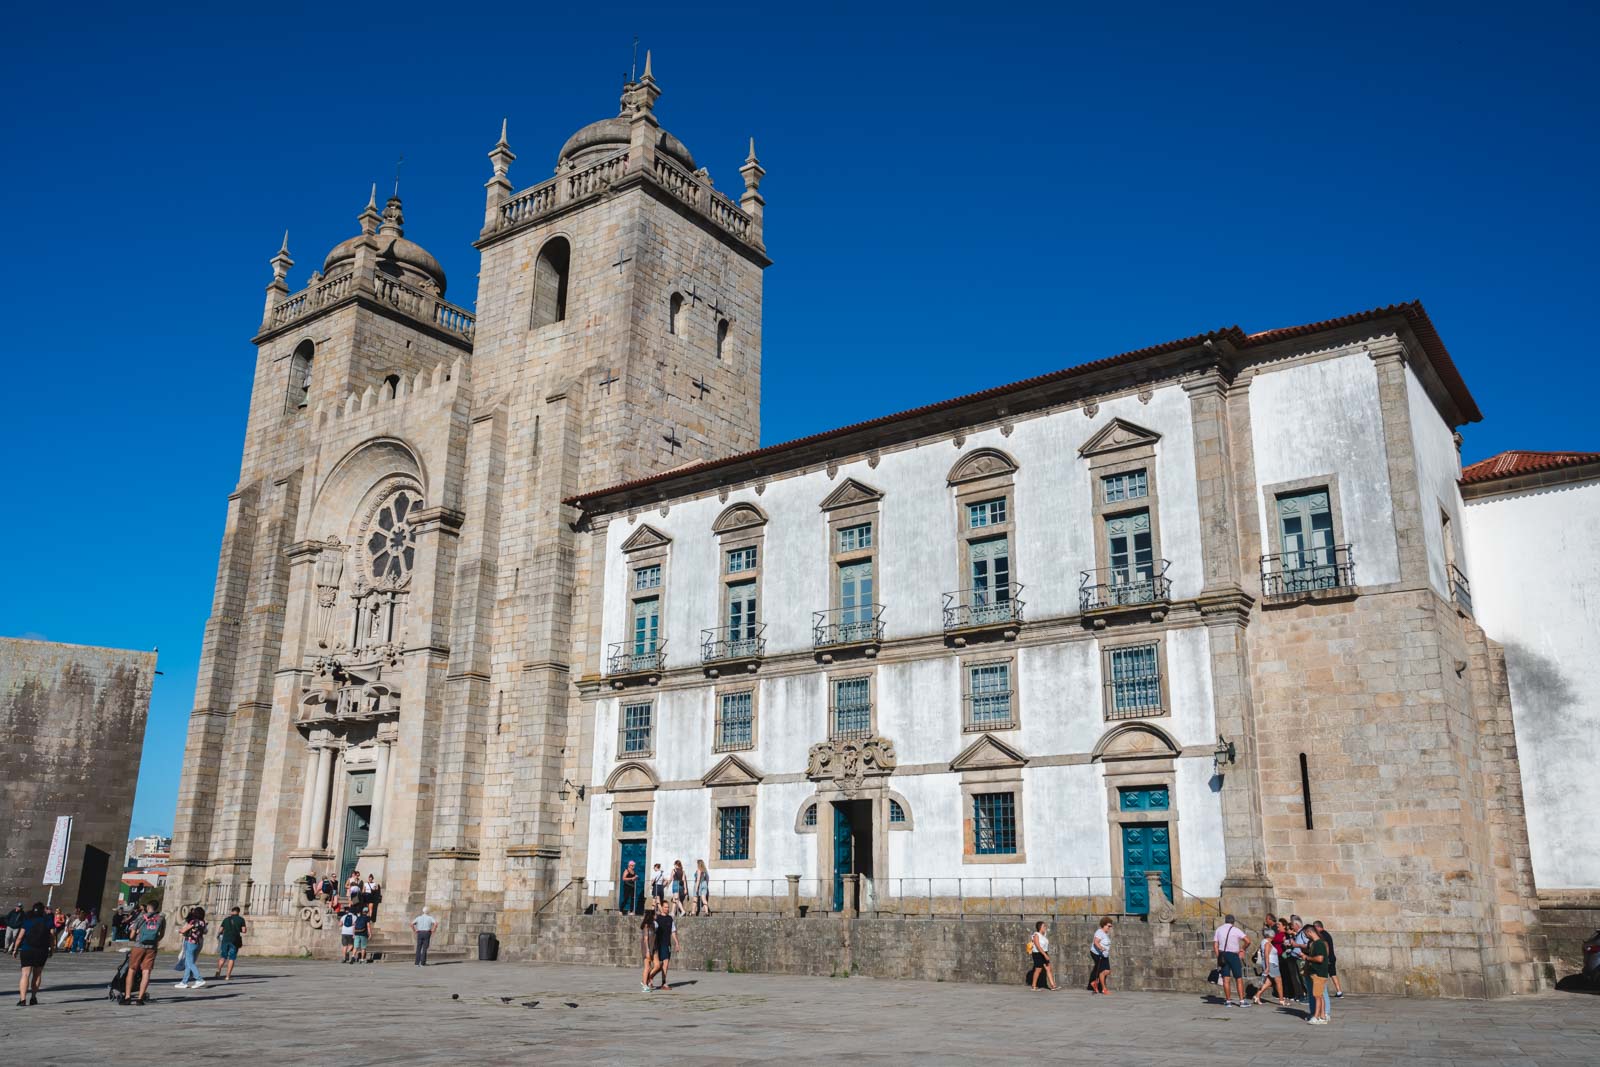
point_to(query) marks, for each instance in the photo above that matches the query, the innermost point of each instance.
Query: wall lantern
(567, 787)
(1224, 753)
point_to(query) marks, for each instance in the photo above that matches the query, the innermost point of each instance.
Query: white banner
(55, 872)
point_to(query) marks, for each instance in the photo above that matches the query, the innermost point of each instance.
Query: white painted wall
(1438, 470)
(1534, 565)
(1065, 829)
(1322, 418)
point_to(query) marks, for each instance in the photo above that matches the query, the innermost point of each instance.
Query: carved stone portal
(849, 762)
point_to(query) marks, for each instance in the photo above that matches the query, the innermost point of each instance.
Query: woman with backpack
(33, 951)
(193, 933)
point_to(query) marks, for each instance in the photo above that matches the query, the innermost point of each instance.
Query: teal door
(357, 826)
(843, 854)
(1146, 846)
(855, 601)
(646, 626)
(991, 578)
(1131, 553)
(635, 851)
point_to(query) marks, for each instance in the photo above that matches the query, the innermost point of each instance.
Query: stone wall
(1147, 956)
(71, 734)
(1566, 928)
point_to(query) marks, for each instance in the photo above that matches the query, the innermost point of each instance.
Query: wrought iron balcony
(989, 711)
(732, 645)
(625, 662)
(1460, 589)
(846, 627)
(1116, 588)
(1307, 572)
(850, 722)
(984, 607)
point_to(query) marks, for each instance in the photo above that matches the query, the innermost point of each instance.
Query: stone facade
(71, 735)
(506, 600)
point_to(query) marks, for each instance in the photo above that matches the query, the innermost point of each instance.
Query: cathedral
(511, 599)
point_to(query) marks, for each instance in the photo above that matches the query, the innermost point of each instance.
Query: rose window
(392, 541)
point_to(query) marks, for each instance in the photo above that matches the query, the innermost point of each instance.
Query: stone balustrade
(694, 190)
(416, 303)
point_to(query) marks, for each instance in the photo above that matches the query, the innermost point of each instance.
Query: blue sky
(953, 201)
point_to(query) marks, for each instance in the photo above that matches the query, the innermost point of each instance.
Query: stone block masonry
(71, 734)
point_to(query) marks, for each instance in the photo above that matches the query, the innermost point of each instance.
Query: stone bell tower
(618, 335)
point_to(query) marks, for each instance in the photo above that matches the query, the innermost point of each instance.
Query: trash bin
(488, 946)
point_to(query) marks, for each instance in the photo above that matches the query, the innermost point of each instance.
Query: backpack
(150, 928)
(38, 935)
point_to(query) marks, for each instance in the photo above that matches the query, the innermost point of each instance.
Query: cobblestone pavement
(313, 1012)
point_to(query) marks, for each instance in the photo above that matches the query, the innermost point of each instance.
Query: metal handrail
(620, 661)
(1460, 588)
(995, 605)
(716, 645)
(1130, 585)
(830, 627)
(1307, 570)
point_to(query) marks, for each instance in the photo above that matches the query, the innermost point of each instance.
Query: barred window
(989, 686)
(741, 559)
(994, 823)
(735, 721)
(852, 707)
(636, 728)
(1130, 485)
(647, 577)
(986, 513)
(854, 538)
(733, 833)
(810, 816)
(896, 812)
(1135, 681)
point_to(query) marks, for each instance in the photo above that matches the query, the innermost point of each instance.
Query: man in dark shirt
(666, 944)
(630, 889)
(229, 941)
(1333, 960)
(14, 927)
(363, 931)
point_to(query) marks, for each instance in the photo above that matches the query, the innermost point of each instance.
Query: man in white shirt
(347, 937)
(1231, 942)
(423, 925)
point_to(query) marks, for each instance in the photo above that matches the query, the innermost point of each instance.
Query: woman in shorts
(1100, 957)
(702, 888)
(647, 945)
(1271, 969)
(33, 952)
(1039, 947)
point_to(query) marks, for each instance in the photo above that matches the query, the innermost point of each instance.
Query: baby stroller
(119, 982)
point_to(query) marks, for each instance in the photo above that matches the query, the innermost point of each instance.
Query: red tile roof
(1516, 462)
(1416, 317)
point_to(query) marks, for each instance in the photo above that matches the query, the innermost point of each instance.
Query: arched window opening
(722, 338)
(811, 815)
(550, 282)
(391, 386)
(675, 310)
(300, 375)
(896, 812)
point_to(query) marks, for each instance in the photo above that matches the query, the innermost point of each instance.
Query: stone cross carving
(609, 380)
(621, 260)
(671, 438)
(702, 386)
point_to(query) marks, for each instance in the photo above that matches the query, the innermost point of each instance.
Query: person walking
(363, 930)
(647, 945)
(193, 932)
(347, 937)
(423, 926)
(230, 939)
(1230, 942)
(680, 889)
(1333, 959)
(1315, 953)
(33, 952)
(80, 932)
(702, 888)
(1039, 950)
(658, 888)
(630, 889)
(666, 944)
(14, 927)
(1271, 971)
(1100, 957)
(146, 932)
(374, 892)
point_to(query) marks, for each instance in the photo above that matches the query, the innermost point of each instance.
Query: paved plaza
(314, 1012)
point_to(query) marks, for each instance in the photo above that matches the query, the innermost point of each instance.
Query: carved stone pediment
(632, 775)
(987, 753)
(1116, 436)
(981, 463)
(739, 517)
(1135, 741)
(646, 536)
(355, 701)
(850, 492)
(731, 771)
(850, 762)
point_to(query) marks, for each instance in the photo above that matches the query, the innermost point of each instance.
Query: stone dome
(397, 256)
(600, 139)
